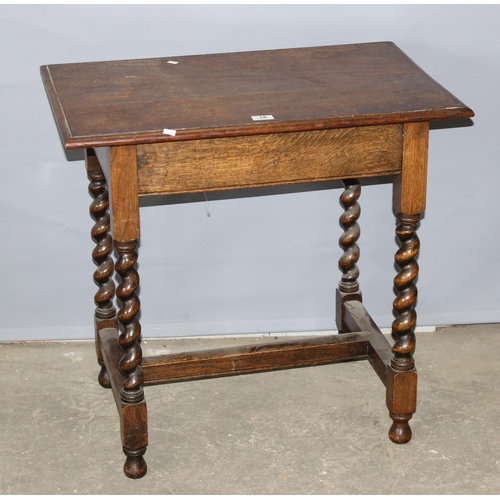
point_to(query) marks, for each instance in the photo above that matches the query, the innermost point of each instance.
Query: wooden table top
(223, 95)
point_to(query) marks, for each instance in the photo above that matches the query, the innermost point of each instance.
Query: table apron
(271, 159)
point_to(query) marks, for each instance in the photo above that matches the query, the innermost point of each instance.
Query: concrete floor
(320, 430)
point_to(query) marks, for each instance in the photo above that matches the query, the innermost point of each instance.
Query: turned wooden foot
(400, 431)
(135, 466)
(103, 378)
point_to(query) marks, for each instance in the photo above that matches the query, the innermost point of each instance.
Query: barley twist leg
(132, 392)
(348, 288)
(105, 312)
(403, 377)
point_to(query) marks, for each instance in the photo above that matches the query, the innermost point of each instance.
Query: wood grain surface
(216, 95)
(262, 160)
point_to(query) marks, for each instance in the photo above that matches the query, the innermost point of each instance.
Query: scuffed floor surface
(320, 430)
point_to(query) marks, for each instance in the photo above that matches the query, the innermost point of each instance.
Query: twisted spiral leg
(348, 288)
(402, 376)
(404, 324)
(130, 363)
(101, 255)
(134, 427)
(348, 239)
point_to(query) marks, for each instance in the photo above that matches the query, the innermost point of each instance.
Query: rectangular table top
(235, 94)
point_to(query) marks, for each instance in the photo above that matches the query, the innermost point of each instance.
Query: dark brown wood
(409, 203)
(133, 416)
(401, 386)
(402, 403)
(254, 358)
(130, 334)
(406, 319)
(348, 288)
(401, 394)
(263, 160)
(103, 155)
(112, 354)
(135, 439)
(105, 312)
(216, 95)
(357, 319)
(348, 240)
(227, 121)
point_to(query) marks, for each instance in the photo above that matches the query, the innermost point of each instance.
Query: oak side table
(238, 120)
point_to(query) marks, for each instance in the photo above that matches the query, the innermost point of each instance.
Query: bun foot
(400, 431)
(103, 378)
(135, 466)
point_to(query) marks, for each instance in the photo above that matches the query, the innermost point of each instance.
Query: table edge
(75, 142)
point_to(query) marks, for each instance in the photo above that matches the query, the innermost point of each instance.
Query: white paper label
(262, 117)
(168, 131)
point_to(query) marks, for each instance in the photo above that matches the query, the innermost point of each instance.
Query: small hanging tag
(262, 117)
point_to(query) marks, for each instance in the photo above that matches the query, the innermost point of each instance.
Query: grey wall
(258, 263)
